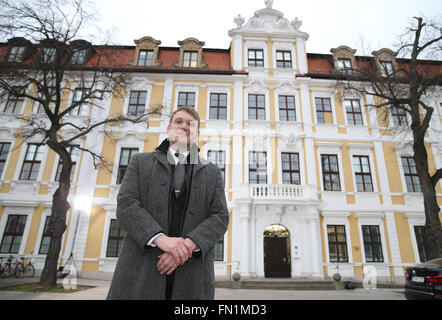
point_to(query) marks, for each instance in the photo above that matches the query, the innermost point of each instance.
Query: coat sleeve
(132, 216)
(207, 233)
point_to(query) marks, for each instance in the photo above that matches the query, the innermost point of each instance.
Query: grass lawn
(33, 287)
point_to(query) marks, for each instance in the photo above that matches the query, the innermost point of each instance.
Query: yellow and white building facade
(316, 182)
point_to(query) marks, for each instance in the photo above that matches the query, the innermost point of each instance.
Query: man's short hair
(190, 110)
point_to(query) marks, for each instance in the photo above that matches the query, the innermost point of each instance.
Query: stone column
(316, 253)
(245, 240)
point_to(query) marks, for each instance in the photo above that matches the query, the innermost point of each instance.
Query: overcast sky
(330, 23)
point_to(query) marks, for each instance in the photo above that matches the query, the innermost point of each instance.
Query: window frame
(17, 101)
(286, 108)
(148, 57)
(351, 115)
(32, 162)
(15, 55)
(410, 174)
(254, 61)
(4, 157)
(218, 106)
(362, 174)
(186, 93)
(284, 61)
(138, 105)
(257, 107)
(14, 233)
(119, 239)
(83, 108)
(125, 166)
(74, 164)
(337, 243)
(343, 68)
(221, 165)
(330, 173)
(399, 116)
(386, 71)
(191, 61)
(317, 111)
(371, 243)
(420, 243)
(258, 169)
(44, 236)
(290, 171)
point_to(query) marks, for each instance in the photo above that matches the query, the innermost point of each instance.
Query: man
(173, 213)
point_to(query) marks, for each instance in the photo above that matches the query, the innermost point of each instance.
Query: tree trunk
(433, 227)
(56, 227)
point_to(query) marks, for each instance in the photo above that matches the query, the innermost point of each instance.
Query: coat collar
(162, 154)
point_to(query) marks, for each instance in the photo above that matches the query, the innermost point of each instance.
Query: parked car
(424, 281)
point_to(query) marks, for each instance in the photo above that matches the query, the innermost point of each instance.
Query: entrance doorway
(277, 252)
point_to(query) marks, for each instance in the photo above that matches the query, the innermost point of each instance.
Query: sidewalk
(101, 287)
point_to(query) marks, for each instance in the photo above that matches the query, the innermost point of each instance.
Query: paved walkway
(101, 287)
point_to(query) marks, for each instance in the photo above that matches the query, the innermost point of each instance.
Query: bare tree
(48, 68)
(405, 89)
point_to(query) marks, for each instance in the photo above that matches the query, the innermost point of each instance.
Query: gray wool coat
(142, 211)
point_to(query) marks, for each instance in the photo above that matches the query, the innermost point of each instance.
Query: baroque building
(315, 180)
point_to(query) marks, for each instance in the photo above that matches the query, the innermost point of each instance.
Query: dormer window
(16, 54)
(190, 59)
(385, 60)
(344, 60)
(79, 56)
(81, 51)
(145, 58)
(146, 53)
(191, 54)
(344, 66)
(48, 55)
(386, 68)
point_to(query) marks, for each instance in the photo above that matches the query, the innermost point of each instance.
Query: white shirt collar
(175, 158)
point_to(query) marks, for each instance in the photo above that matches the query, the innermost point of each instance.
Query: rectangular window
(256, 57)
(4, 150)
(283, 59)
(423, 243)
(190, 59)
(337, 243)
(125, 157)
(257, 107)
(287, 109)
(15, 100)
(186, 99)
(354, 113)
(13, 234)
(137, 103)
(78, 56)
(323, 110)
(16, 54)
(399, 116)
(218, 158)
(386, 68)
(219, 250)
(218, 106)
(79, 97)
(257, 167)
(74, 152)
(48, 55)
(330, 172)
(115, 240)
(372, 244)
(344, 66)
(290, 168)
(145, 58)
(45, 239)
(50, 97)
(31, 164)
(362, 170)
(410, 173)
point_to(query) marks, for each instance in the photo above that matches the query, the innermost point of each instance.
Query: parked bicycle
(7, 268)
(24, 268)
